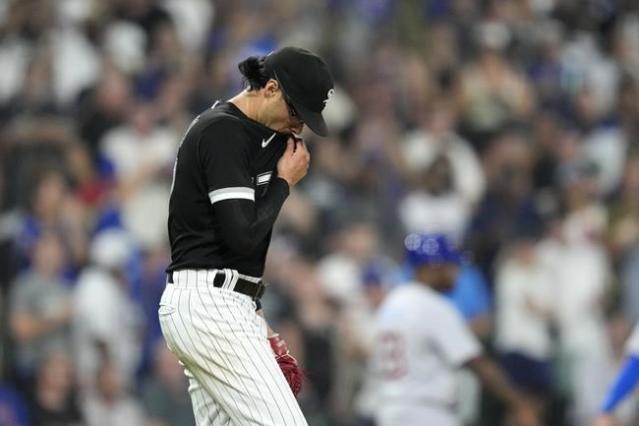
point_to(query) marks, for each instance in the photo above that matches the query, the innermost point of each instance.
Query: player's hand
(288, 364)
(293, 165)
(606, 420)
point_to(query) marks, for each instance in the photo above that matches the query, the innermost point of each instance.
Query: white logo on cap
(430, 246)
(328, 96)
(412, 242)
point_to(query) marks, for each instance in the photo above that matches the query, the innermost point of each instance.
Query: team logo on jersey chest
(263, 178)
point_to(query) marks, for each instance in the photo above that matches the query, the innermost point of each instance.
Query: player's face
(281, 115)
(450, 273)
(444, 277)
(294, 123)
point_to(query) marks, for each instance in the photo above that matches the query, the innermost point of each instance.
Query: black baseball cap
(306, 82)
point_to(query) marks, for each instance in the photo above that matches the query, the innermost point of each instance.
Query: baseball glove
(288, 363)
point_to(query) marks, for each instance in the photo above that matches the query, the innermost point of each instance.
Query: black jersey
(224, 155)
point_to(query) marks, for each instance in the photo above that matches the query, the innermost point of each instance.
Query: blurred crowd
(510, 125)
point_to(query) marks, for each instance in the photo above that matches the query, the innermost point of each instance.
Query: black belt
(254, 290)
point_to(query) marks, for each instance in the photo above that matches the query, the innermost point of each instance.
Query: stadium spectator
(106, 321)
(109, 403)
(54, 399)
(163, 393)
(40, 306)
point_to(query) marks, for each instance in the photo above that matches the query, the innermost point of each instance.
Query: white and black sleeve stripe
(232, 193)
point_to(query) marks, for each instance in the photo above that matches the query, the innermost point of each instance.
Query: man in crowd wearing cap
(422, 341)
(234, 169)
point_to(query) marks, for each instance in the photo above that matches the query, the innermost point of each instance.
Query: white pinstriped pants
(216, 334)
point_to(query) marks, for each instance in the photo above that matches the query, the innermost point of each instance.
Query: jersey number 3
(392, 351)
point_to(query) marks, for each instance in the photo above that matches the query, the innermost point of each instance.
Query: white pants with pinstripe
(222, 343)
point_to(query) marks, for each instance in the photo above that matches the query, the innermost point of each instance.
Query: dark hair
(252, 68)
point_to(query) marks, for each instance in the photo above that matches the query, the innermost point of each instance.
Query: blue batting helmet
(430, 249)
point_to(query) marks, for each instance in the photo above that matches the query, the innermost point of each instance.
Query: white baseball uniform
(422, 341)
(221, 341)
(224, 201)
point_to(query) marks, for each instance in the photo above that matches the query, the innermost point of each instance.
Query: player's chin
(287, 130)
(296, 129)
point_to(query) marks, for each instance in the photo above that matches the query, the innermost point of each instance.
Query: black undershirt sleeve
(245, 223)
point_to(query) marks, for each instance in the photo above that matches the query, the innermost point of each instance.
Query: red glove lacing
(288, 364)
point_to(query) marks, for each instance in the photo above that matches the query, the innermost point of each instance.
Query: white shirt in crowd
(130, 152)
(124, 411)
(524, 299)
(104, 312)
(419, 148)
(422, 341)
(448, 214)
(580, 273)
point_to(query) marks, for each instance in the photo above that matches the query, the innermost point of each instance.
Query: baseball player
(234, 169)
(422, 341)
(625, 382)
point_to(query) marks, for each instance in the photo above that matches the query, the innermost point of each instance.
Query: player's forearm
(244, 224)
(495, 380)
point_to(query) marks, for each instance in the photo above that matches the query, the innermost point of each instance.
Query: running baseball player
(625, 382)
(422, 341)
(234, 169)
